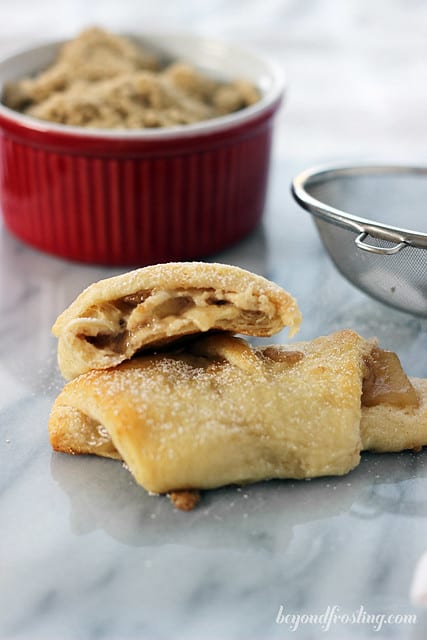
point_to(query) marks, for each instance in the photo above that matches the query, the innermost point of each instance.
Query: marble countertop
(85, 553)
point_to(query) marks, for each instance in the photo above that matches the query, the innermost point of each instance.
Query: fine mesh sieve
(373, 222)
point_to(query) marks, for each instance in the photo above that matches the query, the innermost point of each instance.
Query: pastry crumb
(185, 500)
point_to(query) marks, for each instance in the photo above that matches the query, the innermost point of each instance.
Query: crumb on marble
(185, 500)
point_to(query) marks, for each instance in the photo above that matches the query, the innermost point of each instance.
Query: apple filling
(156, 318)
(386, 382)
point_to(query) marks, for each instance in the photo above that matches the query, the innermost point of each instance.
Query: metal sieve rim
(365, 227)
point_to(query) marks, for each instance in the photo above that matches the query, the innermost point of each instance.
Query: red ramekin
(135, 197)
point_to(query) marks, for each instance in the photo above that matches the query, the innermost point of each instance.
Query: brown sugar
(102, 80)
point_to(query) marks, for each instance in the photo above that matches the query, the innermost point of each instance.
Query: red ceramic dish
(141, 196)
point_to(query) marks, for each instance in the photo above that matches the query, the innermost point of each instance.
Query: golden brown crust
(114, 318)
(72, 431)
(221, 412)
(225, 413)
(389, 428)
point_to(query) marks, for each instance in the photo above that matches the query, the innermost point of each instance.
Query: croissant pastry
(220, 412)
(151, 307)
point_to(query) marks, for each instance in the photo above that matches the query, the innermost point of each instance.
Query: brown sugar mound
(102, 80)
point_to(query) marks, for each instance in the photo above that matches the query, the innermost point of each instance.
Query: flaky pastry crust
(151, 307)
(222, 413)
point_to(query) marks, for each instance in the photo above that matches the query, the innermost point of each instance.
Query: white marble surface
(85, 554)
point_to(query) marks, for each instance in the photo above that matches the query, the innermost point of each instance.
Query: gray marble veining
(85, 553)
